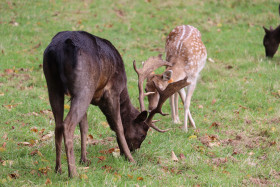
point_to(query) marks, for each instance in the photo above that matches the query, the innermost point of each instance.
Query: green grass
(246, 147)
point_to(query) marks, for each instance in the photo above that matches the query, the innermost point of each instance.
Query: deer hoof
(85, 162)
(58, 169)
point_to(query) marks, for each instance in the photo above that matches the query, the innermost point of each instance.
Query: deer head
(270, 42)
(162, 93)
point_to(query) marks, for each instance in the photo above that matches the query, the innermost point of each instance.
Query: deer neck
(127, 110)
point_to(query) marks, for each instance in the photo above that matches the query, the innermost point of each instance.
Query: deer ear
(141, 117)
(266, 30)
(166, 76)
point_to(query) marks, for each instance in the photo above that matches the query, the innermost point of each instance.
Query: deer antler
(170, 90)
(149, 66)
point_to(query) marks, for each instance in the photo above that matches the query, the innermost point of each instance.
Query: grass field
(235, 105)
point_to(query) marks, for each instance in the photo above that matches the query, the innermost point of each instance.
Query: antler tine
(149, 66)
(170, 90)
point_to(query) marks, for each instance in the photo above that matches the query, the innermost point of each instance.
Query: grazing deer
(91, 71)
(185, 57)
(271, 39)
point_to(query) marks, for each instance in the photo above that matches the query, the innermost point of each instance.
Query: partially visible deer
(271, 39)
(91, 70)
(185, 57)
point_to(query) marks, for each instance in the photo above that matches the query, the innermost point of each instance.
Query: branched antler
(149, 66)
(164, 94)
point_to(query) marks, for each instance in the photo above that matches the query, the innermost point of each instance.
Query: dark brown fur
(271, 40)
(91, 70)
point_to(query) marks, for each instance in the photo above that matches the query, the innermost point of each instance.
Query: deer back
(184, 48)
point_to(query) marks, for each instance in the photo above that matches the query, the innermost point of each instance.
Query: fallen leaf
(48, 181)
(44, 170)
(182, 156)
(101, 158)
(24, 143)
(2, 149)
(192, 137)
(4, 144)
(14, 175)
(200, 106)
(140, 178)
(83, 176)
(130, 176)
(174, 157)
(66, 107)
(47, 136)
(34, 129)
(213, 101)
(4, 137)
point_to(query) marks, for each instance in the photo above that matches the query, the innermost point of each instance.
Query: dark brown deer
(271, 40)
(91, 71)
(185, 57)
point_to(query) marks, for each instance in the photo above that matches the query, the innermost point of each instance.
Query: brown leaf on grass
(130, 176)
(104, 141)
(9, 71)
(47, 136)
(36, 152)
(34, 129)
(119, 13)
(4, 137)
(258, 181)
(101, 159)
(210, 140)
(213, 101)
(182, 156)
(107, 168)
(219, 161)
(215, 125)
(44, 170)
(174, 157)
(48, 181)
(4, 145)
(109, 151)
(140, 178)
(24, 143)
(14, 175)
(229, 67)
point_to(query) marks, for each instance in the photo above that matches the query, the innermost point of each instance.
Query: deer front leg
(84, 130)
(111, 108)
(172, 101)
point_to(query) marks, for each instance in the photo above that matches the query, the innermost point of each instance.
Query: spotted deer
(91, 71)
(185, 57)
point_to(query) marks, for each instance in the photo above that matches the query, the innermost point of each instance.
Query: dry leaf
(66, 107)
(48, 181)
(213, 101)
(24, 143)
(182, 156)
(47, 136)
(192, 137)
(34, 129)
(4, 145)
(130, 176)
(140, 178)
(200, 106)
(174, 157)
(83, 176)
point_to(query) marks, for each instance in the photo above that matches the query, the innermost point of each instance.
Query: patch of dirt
(241, 142)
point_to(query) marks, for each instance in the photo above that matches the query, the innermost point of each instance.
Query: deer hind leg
(79, 106)
(84, 130)
(187, 103)
(56, 98)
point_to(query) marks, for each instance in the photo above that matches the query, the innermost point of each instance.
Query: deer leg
(177, 118)
(79, 106)
(190, 91)
(111, 109)
(57, 105)
(56, 98)
(84, 130)
(183, 98)
(171, 102)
